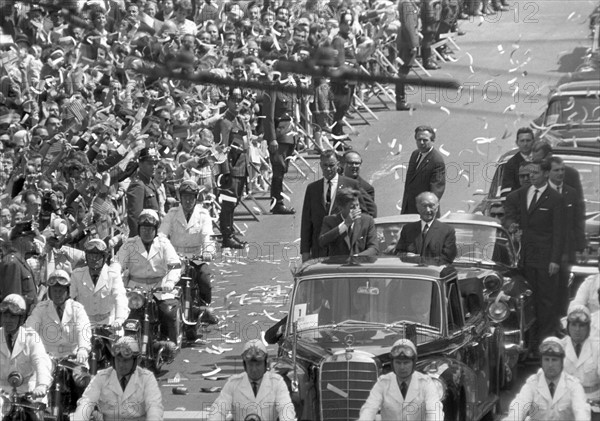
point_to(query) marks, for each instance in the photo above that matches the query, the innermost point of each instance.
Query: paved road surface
(507, 63)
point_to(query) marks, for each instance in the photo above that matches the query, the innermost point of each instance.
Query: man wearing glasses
(351, 165)
(497, 212)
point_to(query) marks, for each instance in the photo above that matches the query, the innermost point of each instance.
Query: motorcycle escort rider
(403, 394)
(122, 392)
(99, 287)
(551, 393)
(63, 325)
(22, 350)
(255, 394)
(189, 228)
(148, 261)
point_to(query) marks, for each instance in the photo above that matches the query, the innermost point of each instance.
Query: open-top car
(587, 162)
(484, 247)
(345, 314)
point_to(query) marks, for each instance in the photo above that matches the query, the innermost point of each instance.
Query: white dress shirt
(334, 186)
(531, 192)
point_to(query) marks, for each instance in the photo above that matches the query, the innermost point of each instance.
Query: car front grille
(345, 385)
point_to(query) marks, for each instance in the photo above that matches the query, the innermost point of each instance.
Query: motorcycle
(146, 327)
(194, 305)
(64, 391)
(15, 406)
(103, 336)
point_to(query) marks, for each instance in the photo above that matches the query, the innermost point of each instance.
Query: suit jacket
(369, 196)
(430, 176)
(510, 175)
(574, 222)
(313, 212)
(439, 246)
(362, 239)
(16, 277)
(542, 239)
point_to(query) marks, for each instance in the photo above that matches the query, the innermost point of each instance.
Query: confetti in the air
(444, 151)
(444, 109)
(500, 49)
(511, 107)
(213, 372)
(392, 144)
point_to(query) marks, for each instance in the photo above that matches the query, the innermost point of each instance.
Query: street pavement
(507, 64)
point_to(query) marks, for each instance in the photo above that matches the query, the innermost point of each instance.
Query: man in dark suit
(349, 232)
(543, 150)
(426, 170)
(538, 210)
(352, 163)
(574, 229)
(429, 238)
(510, 173)
(320, 201)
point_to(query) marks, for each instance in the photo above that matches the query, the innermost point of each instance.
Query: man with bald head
(429, 238)
(351, 166)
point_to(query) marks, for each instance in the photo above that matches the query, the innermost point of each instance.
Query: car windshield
(573, 109)
(474, 242)
(377, 304)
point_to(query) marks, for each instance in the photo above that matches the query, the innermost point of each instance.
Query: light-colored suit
(586, 367)
(422, 400)
(191, 237)
(141, 399)
(28, 357)
(272, 401)
(104, 302)
(535, 401)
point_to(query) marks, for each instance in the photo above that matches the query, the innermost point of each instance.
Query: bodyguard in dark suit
(543, 150)
(574, 229)
(349, 232)
(538, 211)
(352, 164)
(426, 170)
(510, 174)
(431, 239)
(320, 201)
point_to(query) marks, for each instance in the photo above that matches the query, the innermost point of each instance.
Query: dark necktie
(423, 235)
(403, 389)
(328, 197)
(419, 158)
(559, 189)
(59, 311)
(578, 349)
(551, 387)
(10, 342)
(123, 382)
(533, 200)
(255, 388)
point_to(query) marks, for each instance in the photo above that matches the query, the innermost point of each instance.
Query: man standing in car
(510, 173)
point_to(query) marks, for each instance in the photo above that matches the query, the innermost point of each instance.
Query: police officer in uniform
(22, 350)
(278, 108)
(431, 15)
(403, 394)
(255, 394)
(233, 131)
(141, 193)
(124, 391)
(551, 393)
(407, 44)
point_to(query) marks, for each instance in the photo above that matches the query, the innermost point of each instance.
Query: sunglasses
(497, 214)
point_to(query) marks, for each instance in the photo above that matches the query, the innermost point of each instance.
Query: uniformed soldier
(16, 275)
(189, 228)
(278, 109)
(551, 394)
(582, 359)
(431, 15)
(255, 394)
(403, 394)
(123, 391)
(232, 130)
(22, 350)
(141, 193)
(408, 45)
(99, 287)
(149, 261)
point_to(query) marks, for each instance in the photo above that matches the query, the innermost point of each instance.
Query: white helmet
(14, 303)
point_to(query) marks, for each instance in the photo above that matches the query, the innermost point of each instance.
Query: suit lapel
(356, 230)
(541, 199)
(413, 389)
(431, 232)
(560, 389)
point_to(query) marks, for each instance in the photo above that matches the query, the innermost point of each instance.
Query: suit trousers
(280, 167)
(544, 288)
(428, 39)
(562, 294)
(344, 93)
(236, 187)
(407, 55)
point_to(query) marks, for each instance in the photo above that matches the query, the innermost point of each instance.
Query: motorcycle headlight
(136, 300)
(440, 386)
(498, 311)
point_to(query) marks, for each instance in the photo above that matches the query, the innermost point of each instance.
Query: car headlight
(498, 311)
(492, 283)
(136, 300)
(440, 386)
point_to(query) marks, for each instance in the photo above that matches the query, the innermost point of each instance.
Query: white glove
(117, 324)
(82, 356)
(40, 391)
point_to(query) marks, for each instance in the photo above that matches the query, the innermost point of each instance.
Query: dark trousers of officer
(428, 39)
(234, 188)
(201, 276)
(280, 167)
(343, 94)
(407, 55)
(562, 293)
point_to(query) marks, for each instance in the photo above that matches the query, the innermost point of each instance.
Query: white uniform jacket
(587, 294)
(61, 337)
(105, 302)
(422, 400)
(159, 267)
(191, 237)
(28, 358)
(586, 367)
(141, 399)
(271, 402)
(534, 400)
